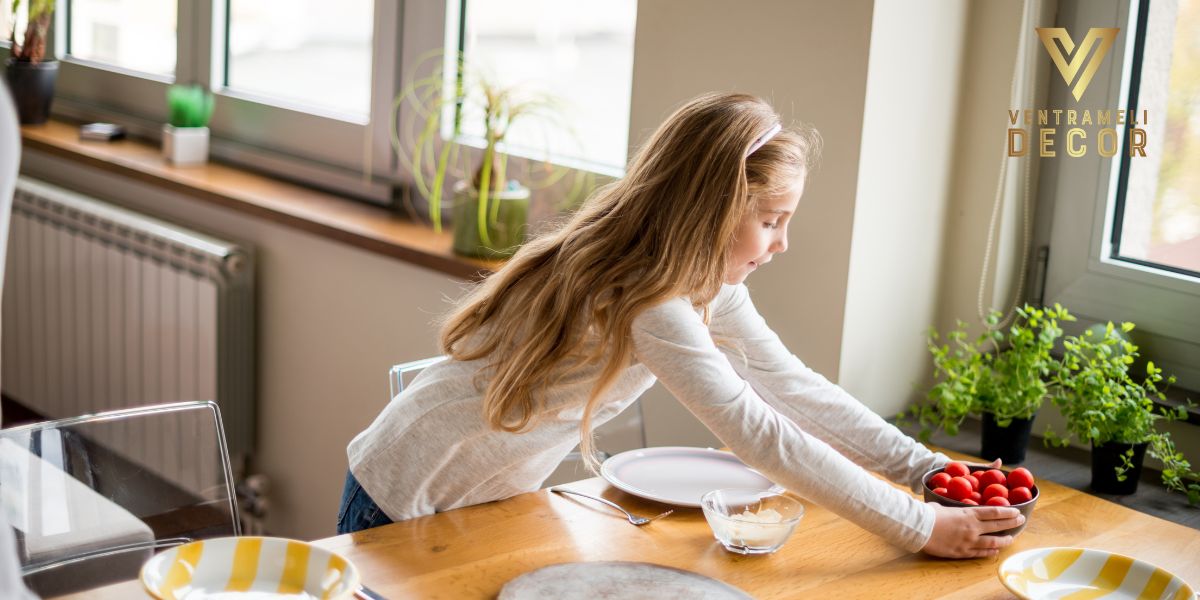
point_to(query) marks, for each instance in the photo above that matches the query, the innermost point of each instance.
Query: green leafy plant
(432, 147)
(189, 106)
(33, 47)
(1003, 372)
(1103, 402)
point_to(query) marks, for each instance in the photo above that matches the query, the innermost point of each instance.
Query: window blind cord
(1021, 60)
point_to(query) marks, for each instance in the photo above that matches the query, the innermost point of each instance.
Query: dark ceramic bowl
(1026, 508)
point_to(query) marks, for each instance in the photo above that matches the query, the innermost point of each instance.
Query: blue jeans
(358, 510)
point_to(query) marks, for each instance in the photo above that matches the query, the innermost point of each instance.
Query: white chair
(91, 497)
(402, 374)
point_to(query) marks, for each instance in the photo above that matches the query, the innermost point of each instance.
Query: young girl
(643, 283)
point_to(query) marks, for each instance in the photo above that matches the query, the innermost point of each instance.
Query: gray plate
(615, 579)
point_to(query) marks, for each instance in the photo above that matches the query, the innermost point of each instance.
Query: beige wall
(904, 177)
(809, 59)
(985, 84)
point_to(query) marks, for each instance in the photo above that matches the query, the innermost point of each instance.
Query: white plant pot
(184, 146)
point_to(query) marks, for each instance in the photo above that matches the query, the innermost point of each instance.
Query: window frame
(1080, 194)
(349, 156)
(355, 159)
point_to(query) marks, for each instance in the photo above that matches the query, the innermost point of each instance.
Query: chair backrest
(86, 513)
(402, 374)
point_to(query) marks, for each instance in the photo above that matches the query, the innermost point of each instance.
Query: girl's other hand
(959, 532)
(995, 464)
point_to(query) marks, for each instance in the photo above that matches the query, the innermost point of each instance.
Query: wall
(985, 85)
(809, 59)
(904, 194)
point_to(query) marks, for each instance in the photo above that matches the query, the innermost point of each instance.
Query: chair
(402, 374)
(92, 497)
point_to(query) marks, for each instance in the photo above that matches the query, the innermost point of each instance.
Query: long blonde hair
(659, 233)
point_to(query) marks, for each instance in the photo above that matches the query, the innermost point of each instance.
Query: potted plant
(489, 210)
(185, 137)
(1001, 376)
(1105, 405)
(31, 76)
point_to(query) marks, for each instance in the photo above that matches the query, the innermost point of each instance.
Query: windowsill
(327, 215)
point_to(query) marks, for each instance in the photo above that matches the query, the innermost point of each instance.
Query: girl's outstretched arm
(675, 344)
(813, 402)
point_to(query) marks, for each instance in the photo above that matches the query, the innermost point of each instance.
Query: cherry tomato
(1020, 477)
(941, 492)
(940, 480)
(1019, 495)
(995, 490)
(991, 476)
(959, 488)
(969, 501)
(997, 501)
(957, 469)
(974, 481)
(977, 497)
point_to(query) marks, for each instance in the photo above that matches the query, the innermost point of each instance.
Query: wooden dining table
(472, 552)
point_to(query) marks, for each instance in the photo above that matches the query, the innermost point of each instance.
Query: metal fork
(632, 519)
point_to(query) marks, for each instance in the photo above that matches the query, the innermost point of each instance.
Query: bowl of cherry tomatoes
(960, 484)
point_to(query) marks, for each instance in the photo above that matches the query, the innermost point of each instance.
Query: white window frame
(1081, 273)
(346, 154)
(349, 156)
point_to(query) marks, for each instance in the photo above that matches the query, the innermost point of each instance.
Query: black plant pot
(1105, 460)
(32, 87)
(1006, 443)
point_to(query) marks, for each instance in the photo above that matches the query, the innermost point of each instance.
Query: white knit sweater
(431, 450)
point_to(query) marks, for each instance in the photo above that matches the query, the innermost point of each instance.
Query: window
(138, 35)
(1123, 232)
(277, 50)
(579, 52)
(280, 106)
(1158, 212)
(305, 88)
(6, 23)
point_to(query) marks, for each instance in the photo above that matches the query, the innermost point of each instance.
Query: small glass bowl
(749, 521)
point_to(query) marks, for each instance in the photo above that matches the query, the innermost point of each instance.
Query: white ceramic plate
(249, 567)
(680, 475)
(1059, 572)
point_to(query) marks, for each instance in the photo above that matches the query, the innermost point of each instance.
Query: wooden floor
(1072, 467)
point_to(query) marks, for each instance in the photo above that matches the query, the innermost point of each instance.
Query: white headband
(764, 138)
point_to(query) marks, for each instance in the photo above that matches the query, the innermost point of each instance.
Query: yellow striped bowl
(1081, 573)
(248, 567)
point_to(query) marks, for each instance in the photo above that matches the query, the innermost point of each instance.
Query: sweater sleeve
(813, 402)
(674, 343)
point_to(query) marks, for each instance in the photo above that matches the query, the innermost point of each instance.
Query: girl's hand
(959, 532)
(995, 464)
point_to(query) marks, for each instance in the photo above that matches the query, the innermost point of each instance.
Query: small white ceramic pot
(184, 146)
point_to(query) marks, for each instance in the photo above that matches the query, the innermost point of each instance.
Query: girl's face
(762, 234)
